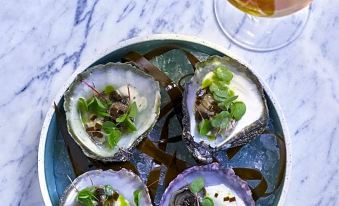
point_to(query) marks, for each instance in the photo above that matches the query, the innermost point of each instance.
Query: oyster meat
(115, 188)
(224, 106)
(200, 185)
(110, 109)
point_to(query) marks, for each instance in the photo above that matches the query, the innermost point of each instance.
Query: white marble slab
(43, 42)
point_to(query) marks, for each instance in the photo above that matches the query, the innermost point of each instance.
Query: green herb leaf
(204, 127)
(219, 89)
(113, 138)
(96, 106)
(213, 87)
(123, 201)
(85, 193)
(100, 104)
(221, 93)
(220, 120)
(130, 126)
(221, 85)
(218, 99)
(108, 127)
(224, 106)
(133, 110)
(227, 103)
(82, 105)
(230, 93)
(211, 137)
(103, 114)
(238, 110)
(207, 201)
(90, 101)
(108, 89)
(231, 99)
(137, 194)
(223, 73)
(224, 123)
(86, 196)
(197, 185)
(121, 118)
(83, 108)
(208, 79)
(86, 202)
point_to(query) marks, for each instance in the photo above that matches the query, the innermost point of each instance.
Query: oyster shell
(220, 185)
(248, 89)
(128, 80)
(124, 182)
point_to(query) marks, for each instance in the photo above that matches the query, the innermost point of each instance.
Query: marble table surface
(43, 42)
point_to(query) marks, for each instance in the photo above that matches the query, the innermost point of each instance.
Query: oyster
(224, 106)
(110, 187)
(208, 183)
(110, 109)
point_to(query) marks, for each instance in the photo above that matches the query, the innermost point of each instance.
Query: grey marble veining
(43, 42)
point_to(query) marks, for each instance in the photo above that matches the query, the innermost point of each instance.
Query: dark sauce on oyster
(206, 106)
(184, 197)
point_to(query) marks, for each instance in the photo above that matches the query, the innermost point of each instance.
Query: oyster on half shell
(248, 90)
(103, 135)
(125, 188)
(209, 183)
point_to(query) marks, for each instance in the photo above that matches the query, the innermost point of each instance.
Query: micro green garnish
(133, 110)
(197, 185)
(99, 105)
(238, 109)
(86, 196)
(122, 201)
(207, 201)
(82, 105)
(217, 82)
(205, 126)
(109, 89)
(113, 138)
(211, 137)
(227, 103)
(208, 79)
(112, 130)
(83, 108)
(223, 73)
(108, 126)
(130, 126)
(96, 106)
(220, 120)
(137, 194)
(220, 74)
(127, 118)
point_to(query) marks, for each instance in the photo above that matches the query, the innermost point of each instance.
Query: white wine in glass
(262, 25)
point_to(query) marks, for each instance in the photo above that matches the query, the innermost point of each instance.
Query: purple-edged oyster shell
(248, 89)
(123, 181)
(215, 178)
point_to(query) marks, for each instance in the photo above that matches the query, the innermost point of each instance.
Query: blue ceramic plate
(260, 153)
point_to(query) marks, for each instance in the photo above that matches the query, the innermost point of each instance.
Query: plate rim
(179, 37)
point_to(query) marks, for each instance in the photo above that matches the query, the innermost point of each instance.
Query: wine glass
(266, 25)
